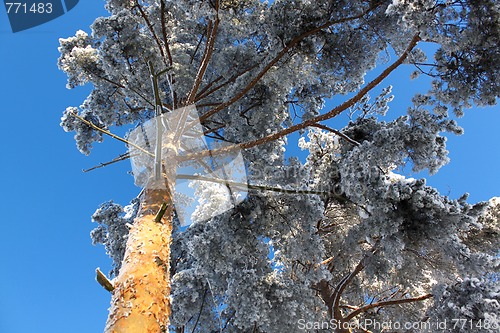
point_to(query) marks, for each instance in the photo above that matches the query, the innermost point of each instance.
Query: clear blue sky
(47, 260)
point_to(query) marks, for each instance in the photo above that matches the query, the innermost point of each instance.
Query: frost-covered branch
(294, 42)
(311, 122)
(386, 303)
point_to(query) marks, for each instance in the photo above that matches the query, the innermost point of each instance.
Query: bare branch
(122, 157)
(107, 80)
(103, 280)
(114, 136)
(212, 34)
(215, 129)
(161, 212)
(197, 48)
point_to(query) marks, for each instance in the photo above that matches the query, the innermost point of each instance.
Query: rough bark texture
(141, 298)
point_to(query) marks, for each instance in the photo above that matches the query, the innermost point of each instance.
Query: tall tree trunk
(141, 297)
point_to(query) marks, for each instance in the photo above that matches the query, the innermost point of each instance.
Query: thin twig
(107, 80)
(114, 136)
(215, 129)
(122, 157)
(216, 307)
(203, 93)
(207, 104)
(138, 93)
(208, 86)
(339, 133)
(197, 48)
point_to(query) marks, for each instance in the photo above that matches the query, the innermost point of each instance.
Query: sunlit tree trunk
(141, 296)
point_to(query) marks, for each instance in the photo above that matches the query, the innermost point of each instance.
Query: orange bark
(141, 297)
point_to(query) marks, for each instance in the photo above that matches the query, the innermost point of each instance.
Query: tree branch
(122, 157)
(332, 113)
(161, 212)
(114, 136)
(151, 29)
(339, 289)
(244, 186)
(339, 133)
(211, 36)
(210, 84)
(103, 280)
(201, 310)
(202, 93)
(386, 303)
(164, 31)
(197, 48)
(294, 42)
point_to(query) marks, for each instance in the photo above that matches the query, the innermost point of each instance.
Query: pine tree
(336, 242)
